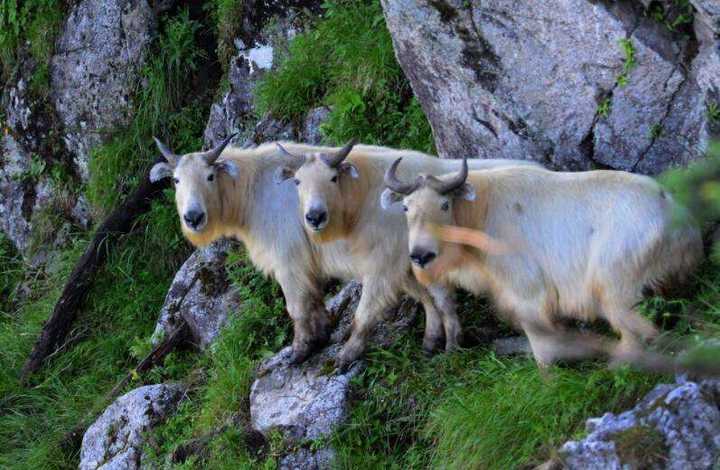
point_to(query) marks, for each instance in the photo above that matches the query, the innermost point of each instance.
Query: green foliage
(603, 109)
(347, 61)
(676, 16)
(469, 406)
(228, 18)
(222, 397)
(500, 418)
(35, 22)
(628, 50)
(698, 186)
(122, 306)
(712, 111)
(163, 109)
(11, 274)
(656, 131)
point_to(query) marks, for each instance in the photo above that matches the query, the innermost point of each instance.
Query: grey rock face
(548, 80)
(311, 128)
(25, 195)
(305, 459)
(14, 213)
(115, 440)
(201, 294)
(100, 51)
(676, 426)
(235, 112)
(309, 400)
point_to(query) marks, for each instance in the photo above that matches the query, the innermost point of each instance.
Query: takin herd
(544, 246)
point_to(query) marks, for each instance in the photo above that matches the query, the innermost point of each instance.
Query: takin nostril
(422, 258)
(194, 218)
(316, 217)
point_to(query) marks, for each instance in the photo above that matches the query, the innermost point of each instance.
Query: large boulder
(308, 401)
(201, 295)
(575, 84)
(115, 440)
(100, 52)
(676, 426)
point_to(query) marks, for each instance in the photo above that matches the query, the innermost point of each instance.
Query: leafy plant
(603, 109)
(712, 111)
(629, 63)
(228, 18)
(35, 22)
(347, 62)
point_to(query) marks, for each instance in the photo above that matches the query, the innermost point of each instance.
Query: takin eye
(296, 181)
(334, 179)
(445, 206)
(211, 177)
(176, 180)
(405, 209)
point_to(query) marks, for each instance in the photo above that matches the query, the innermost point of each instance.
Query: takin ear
(466, 191)
(348, 168)
(388, 198)
(283, 173)
(160, 171)
(228, 166)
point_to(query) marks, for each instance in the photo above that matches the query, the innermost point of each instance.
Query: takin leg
(444, 297)
(434, 337)
(635, 330)
(377, 296)
(310, 320)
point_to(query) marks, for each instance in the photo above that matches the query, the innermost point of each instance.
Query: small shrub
(346, 61)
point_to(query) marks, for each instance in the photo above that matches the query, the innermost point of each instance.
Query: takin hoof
(434, 345)
(346, 358)
(299, 354)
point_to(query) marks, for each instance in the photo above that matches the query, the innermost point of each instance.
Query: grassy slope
(464, 410)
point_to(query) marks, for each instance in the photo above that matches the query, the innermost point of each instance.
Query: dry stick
(71, 439)
(120, 221)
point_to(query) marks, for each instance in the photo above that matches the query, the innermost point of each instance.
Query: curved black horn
(334, 160)
(211, 155)
(297, 160)
(171, 158)
(444, 187)
(393, 183)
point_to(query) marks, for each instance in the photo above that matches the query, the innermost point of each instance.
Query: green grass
(123, 305)
(346, 61)
(228, 18)
(470, 409)
(35, 23)
(628, 50)
(10, 276)
(227, 373)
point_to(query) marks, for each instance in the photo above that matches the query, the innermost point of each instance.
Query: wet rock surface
(575, 84)
(676, 426)
(200, 294)
(115, 440)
